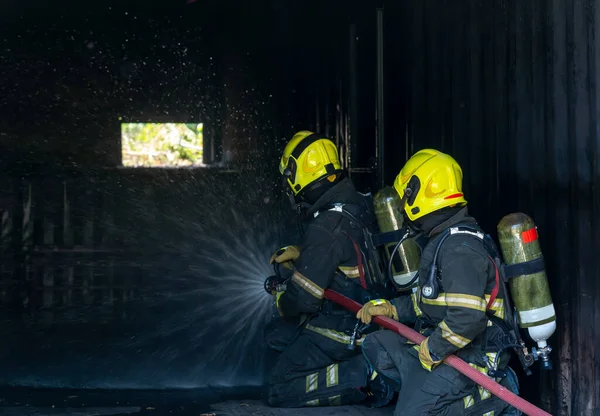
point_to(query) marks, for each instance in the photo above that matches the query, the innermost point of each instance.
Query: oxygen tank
(529, 285)
(388, 212)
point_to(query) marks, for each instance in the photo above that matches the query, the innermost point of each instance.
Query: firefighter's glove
(428, 360)
(285, 256)
(377, 307)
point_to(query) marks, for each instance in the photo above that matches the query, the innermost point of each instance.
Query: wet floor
(194, 402)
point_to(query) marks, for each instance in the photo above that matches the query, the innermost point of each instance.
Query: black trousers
(314, 367)
(443, 391)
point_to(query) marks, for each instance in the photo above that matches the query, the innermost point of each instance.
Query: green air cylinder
(529, 287)
(389, 218)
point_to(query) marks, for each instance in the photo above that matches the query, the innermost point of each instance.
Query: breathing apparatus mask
(408, 230)
(297, 204)
(430, 287)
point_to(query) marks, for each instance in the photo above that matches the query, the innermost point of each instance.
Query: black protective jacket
(329, 259)
(457, 320)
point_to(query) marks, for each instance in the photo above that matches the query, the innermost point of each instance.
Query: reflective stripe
(332, 375)
(452, 337)
(466, 301)
(279, 294)
(335, 400)
(491, 357)
(483, 370)
(334, 335)
(308, 285)
(374, 375)
(313, 402)
(478, 234)
(537, 314)
(415, 302)
(312, 382)
(489, 413)
(497, 306)
(469, 401)
(439, 301)
(350, 272)
(459, 300)
(483, 393)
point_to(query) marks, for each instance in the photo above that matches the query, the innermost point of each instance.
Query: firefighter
(458, 305)
(319, 361)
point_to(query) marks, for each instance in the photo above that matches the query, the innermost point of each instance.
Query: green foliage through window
(161, 144)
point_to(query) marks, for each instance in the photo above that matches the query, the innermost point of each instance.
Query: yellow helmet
(307, 158)
(430, 180)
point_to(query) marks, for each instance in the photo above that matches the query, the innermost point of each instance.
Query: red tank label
(529, 235)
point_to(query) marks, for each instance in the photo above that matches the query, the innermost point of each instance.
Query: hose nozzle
(274, 284)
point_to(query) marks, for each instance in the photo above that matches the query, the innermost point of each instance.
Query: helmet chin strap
(297, 206)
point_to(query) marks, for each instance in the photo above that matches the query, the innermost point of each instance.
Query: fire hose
(452, 360)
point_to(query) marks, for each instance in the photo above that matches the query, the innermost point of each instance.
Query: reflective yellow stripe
(335, 400)
(483, 370)
(312, 382)
(469, 401)
(313, 402)
(350, 272)
(463, 300)
(491, 357)
(439, 301)
(459, 300)
(483, 393)
(497, 306)
(332, 375)
(308, 285)
(279, 294)
(415, 302)
(374, 375)
(452, 337)
(334, 335)
(489, 413)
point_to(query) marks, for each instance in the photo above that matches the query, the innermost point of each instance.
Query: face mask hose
(409, 233)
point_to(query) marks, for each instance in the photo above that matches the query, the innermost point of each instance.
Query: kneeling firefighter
(459, 303)
(319, 361)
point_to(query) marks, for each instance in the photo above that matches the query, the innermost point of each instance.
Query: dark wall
(251, 72)
(510, 88)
